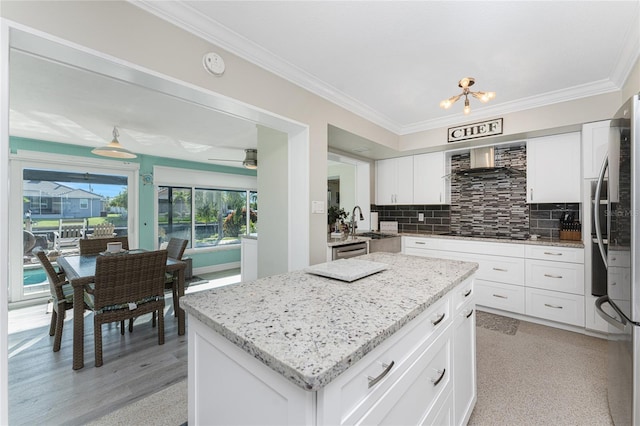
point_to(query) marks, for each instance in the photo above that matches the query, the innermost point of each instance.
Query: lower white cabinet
(506, 297)
(555, 306)
(540, 281)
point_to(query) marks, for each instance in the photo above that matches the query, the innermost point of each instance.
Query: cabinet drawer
(500, 296)
(421, 243)
(413, 397)
(554, 306)
(556, 276)
(556, 254)
(462, 294)
(465, 246)
(350, 395)
(509, 270)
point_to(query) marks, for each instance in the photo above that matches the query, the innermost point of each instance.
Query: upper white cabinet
(394, 181)
(594, 147)
(553, 169)
(429, 181)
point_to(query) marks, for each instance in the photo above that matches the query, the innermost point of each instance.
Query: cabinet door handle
(439, 320)
(470, 313)
(420, 243)
(374, 380)
(439, 379)
(552, 276)
(553, 306)
(531, 193)
(467, 293)
(550, 253)
(500, 296)
(500, 269)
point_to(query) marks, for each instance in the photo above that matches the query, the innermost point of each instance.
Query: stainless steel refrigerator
(620, 307)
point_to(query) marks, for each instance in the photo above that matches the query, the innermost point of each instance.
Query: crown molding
(190, 20)
(545, 99)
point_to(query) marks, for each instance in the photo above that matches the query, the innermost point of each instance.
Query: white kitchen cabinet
(553, 169)
(595, 137)
(536, 280)
(464, 360)
(394, 181)
(430, 186)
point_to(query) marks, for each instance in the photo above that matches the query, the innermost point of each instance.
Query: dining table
(80, 271)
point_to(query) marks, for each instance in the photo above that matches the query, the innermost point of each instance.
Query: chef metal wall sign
(475, 130)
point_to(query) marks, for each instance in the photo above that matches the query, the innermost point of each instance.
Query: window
(206, 217)
(84, 203)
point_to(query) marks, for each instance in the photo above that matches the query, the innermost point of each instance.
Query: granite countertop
(540, 241)
(310, 329)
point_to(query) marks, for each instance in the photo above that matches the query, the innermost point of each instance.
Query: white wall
(273, 214)
(152, 43)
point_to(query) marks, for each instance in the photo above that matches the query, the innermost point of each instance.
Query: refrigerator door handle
(596, 211)
(619, 324)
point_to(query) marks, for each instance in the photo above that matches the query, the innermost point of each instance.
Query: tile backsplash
(489, 205)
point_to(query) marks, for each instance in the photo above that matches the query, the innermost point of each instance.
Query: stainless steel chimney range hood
(483, 163)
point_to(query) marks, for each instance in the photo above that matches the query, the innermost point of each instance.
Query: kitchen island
(298, 348)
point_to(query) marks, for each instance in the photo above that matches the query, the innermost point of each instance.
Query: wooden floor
(44, 390)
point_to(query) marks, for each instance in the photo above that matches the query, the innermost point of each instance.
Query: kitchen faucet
(353, 220)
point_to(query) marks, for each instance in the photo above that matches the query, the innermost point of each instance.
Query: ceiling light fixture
(250, 159)
(465, 83)
(113, 149)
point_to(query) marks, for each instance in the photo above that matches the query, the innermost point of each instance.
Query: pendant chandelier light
(113, 149)
(465, 83)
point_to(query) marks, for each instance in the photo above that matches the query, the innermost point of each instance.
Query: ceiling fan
(250, 159)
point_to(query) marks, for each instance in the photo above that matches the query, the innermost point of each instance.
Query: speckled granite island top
(310, 328)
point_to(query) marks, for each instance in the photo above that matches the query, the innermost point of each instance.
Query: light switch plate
(420, 217)
(317, 207)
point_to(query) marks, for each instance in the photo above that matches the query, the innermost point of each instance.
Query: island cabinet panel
(227, 386)
(464, 360)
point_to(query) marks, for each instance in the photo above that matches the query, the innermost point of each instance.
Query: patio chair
(127, 286)
(103, 230)
(61, 295)
(70, 231)
(95, 246)
(175, 250)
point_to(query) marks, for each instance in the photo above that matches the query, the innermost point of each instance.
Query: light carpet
(528, 374)
(167, 407)
(540, 376)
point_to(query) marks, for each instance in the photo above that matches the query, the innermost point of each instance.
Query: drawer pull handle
(439, 320)
(420, 242)
(470, 313)
(550, 253)
(552, 276)
(374, 380)
(553, 306)
(467, 293)
(439, 379)
(500, 270)
(500, 296)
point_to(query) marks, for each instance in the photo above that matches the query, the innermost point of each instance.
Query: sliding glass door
(56, 206)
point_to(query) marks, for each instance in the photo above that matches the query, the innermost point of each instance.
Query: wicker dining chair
(127, 286)
(175, 250)
(93, 246)
(61, 295)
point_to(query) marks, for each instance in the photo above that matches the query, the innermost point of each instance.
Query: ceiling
(390, 62)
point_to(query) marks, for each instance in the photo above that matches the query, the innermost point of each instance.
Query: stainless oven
(350, 250)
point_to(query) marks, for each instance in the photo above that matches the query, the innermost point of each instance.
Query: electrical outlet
(420, 217)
